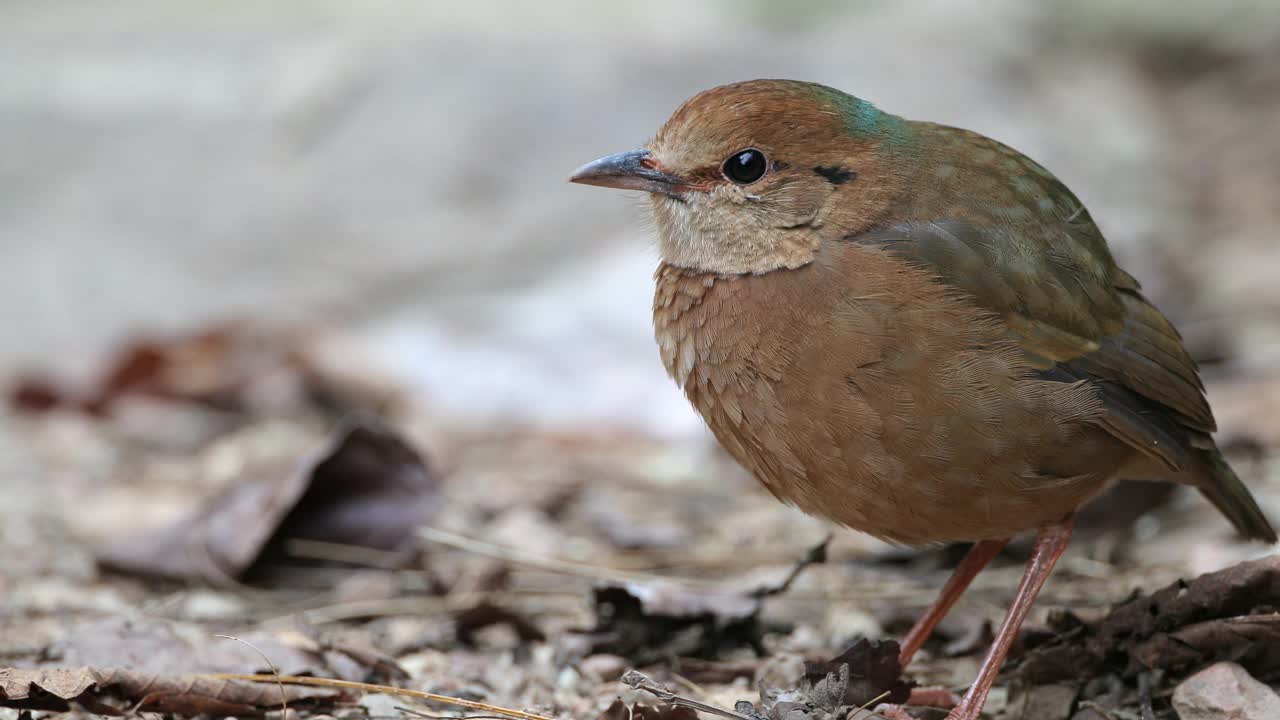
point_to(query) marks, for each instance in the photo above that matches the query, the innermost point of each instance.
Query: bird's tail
(1225, 490)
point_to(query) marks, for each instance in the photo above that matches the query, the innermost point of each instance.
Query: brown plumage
(797, 374)
(910, 329)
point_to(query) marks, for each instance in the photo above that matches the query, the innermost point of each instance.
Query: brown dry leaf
(1226, 614)
(34, 393)
(368, 488)
(64, 683)
(116, 691)
(240, 367)
(1252, 641)
(371, 490)
(650, 622)
(219, 541)
(349, 653)
(155, 645)
(874, 675)
(229, 367)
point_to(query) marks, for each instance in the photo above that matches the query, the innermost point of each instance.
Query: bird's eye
(745, 166)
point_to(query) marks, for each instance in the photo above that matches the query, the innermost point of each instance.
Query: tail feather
(1228, 493)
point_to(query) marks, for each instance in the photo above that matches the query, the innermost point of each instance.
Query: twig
(640, 681)
(284, 703)
(992, 579)
(416, 605)
(865, 707)
(411, 605)
(691, 685)
(385, 690)
(419, 713)
(345, 552)
(816, 556)
(565, 567)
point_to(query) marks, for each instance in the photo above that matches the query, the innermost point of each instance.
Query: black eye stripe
(835, 174)
(745, 166)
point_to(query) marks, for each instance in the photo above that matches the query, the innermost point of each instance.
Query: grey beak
(626, 171)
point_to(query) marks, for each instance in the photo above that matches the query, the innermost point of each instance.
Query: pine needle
(385, 690)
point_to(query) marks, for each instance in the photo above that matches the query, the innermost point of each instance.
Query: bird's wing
(1077, 316)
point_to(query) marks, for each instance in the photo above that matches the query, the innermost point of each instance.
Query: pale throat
(718, 240)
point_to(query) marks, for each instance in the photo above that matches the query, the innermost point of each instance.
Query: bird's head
(754, 176)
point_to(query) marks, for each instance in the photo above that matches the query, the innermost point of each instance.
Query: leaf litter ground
(226, 503)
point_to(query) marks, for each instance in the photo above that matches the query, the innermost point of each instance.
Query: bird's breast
(859, 389)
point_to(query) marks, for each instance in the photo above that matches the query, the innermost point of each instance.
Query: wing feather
(1077, 316)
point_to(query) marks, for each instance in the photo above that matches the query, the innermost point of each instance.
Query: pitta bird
(912, 330)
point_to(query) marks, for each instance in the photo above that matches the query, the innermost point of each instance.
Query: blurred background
(399, 168)
(383, 183)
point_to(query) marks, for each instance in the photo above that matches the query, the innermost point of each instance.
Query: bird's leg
(1049, 545)
(978, 557)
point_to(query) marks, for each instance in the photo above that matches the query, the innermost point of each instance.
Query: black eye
(745, 166)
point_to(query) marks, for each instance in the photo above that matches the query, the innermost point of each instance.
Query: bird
(911, 330)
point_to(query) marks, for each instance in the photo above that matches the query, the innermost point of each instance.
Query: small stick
(343, 552)
(640, 681)
(419, 713)
(816, 556)
(385, 690)
(864, 707)
(284, 702)
(555, 565)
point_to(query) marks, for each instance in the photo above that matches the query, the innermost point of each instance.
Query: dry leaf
(1226, 614)
(649, 622)
(873, 675)
(117, 691)
(155, 645)
(369, 488)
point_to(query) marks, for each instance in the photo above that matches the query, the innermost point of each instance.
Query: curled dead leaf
(367, 488)
(1228, 614)
(117, 691)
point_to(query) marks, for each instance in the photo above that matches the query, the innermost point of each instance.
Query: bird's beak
(628, 171)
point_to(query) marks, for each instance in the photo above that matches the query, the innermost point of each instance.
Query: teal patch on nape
(862, 118)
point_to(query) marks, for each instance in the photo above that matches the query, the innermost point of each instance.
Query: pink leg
(978, 557)
(1049, 545)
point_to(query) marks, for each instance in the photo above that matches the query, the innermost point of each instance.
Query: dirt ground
(315, 365)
